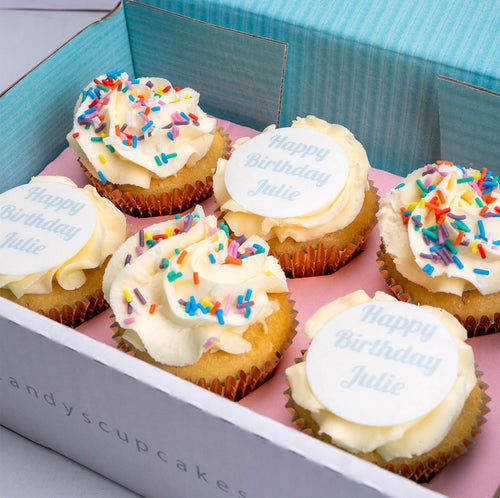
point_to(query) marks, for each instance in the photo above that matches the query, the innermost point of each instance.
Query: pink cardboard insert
(475, 473)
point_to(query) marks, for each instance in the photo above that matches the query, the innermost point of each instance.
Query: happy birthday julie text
(387, 352)
(18, 241)
(296, 150)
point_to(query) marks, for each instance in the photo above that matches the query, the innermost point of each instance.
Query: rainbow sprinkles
(190, 289)
(453, 222)
(128, 131)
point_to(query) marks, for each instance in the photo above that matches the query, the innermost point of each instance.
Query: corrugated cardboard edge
(285, 45)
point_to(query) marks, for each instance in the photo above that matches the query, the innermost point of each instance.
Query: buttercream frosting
(108, 234)
(401, 440)
(442, 228)
(128, 131)
(335, 215)
(205, 289)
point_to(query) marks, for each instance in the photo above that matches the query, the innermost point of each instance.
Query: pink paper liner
(232, 388)
(142, 206)
(419, 471)
(79, 312)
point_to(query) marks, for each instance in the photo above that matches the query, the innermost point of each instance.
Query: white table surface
(26, 468)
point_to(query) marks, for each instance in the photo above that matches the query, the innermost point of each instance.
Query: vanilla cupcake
(55, 242)
(146, 145)
(389, 382)
(305, 190)
(440, 234)
(194, 303)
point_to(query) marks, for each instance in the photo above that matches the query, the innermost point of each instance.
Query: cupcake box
(157, 434)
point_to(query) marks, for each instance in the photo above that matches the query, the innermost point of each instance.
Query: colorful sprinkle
(428, 268)
(181, 257)
(480, 271)
(482, 233)
(429, 233)
(225, 228)
(137, 292)
(227, 306)
(215, 308)
(127, 295)
(233, 261)
(208, 343)
(422, 186)
(173, 276)
(220, 317)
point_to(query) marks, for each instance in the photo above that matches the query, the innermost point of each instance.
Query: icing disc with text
(42, 225)
(287, 172)
(382, 363)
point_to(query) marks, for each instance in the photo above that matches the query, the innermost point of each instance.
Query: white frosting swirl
(424, 242)
(109, 233)
(402, 440)
(335, 215)
(196, 296)
(139, 129)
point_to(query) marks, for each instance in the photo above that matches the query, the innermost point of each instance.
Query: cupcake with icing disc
(389, 382)
(55, 242)
(305, 190)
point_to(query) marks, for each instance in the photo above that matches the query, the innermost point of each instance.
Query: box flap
(239, 76)
(469, 120)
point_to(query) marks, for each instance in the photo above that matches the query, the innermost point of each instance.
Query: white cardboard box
(157, 434)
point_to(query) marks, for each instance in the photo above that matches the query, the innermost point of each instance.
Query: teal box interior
(397, 74)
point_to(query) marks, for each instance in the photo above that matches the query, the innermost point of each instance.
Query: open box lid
(373, 67)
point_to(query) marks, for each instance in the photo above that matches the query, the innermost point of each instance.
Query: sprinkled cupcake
(440, 232)
(191, 301)
(145, 144)
(305, 190)
(392, 383)
(55, 242)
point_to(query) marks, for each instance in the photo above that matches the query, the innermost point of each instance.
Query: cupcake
(440, 232)
(392, 383)
(303, 189)
(55, 242)
(145, 145)
(194, 303)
